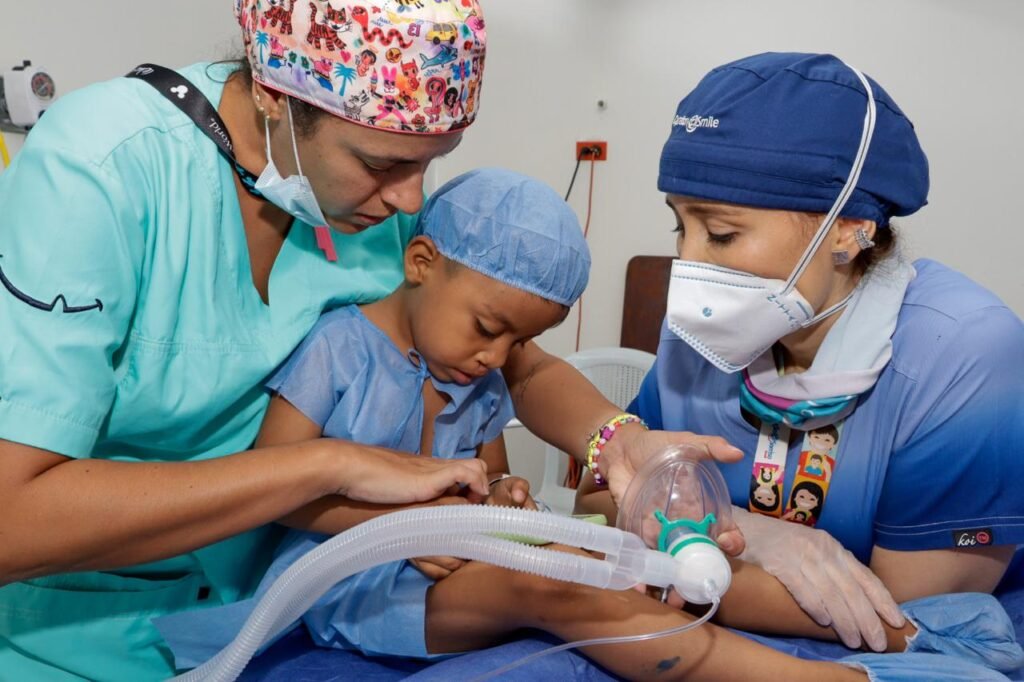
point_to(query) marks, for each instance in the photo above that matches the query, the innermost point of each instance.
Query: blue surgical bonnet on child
(511, 228)
(780, 130)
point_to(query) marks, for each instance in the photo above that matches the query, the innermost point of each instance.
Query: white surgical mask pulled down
(732, 317)
(293, 194)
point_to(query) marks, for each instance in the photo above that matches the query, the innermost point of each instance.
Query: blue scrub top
(349, 378)
(132, 328)
(932, 453)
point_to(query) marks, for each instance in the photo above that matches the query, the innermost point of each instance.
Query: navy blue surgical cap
(511, 228)
(780, 130)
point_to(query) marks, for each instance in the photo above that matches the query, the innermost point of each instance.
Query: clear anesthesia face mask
(680, 505)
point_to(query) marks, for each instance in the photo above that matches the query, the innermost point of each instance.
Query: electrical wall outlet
(592, 151)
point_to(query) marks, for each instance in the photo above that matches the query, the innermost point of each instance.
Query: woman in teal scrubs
(157, 262)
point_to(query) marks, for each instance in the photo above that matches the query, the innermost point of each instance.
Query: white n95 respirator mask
(732, 317)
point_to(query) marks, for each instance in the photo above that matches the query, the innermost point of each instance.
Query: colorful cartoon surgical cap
(411, 66)
(511, 228)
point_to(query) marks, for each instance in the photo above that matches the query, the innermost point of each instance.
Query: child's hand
(512, 491)
(437, 567)
(440, 567)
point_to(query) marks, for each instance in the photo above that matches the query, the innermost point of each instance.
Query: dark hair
(827, 430)
(758, 505)
(885, 244)
(812, 488)
(306, 116)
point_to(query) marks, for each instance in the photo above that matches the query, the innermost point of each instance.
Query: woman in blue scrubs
(166, 241)
(875, 399)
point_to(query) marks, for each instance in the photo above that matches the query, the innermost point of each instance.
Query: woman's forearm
(923, 573)
(60, 515)
(335, 514)
(757, 602)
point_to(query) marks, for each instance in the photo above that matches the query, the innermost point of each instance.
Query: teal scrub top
(132, 331)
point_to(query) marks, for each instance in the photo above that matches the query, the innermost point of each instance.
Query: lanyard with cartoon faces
(813, 476)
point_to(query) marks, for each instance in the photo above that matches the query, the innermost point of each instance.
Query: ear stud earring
(840, 257)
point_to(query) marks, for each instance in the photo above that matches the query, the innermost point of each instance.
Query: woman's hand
(633, 445)
(825, 579)
(369, 474)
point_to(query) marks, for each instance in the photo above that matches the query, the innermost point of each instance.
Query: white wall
(83, 42)
(953, 66)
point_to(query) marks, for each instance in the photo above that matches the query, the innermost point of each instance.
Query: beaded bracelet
(600, 437)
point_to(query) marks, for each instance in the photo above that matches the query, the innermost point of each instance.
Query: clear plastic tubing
(462, 531)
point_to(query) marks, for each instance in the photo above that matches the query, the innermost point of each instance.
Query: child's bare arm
(495, 456)
(283, 424)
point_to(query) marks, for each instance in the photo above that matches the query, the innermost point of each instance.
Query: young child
(499, 258)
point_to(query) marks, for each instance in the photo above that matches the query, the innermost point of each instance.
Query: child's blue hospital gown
(351, 379)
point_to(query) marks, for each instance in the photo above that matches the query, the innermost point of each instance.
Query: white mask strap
(266, 129)
(831, 310)
(291, 126)
(851, 184)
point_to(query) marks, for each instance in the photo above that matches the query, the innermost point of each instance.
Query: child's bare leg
(479, 605)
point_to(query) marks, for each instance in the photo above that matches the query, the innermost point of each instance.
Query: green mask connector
(699, 530)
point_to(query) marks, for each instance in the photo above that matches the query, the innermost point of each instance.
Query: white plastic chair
(617, 373)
